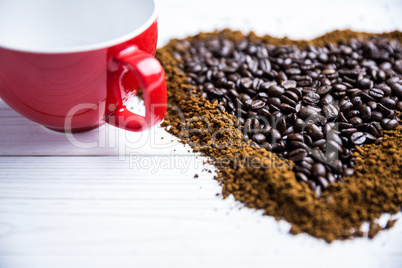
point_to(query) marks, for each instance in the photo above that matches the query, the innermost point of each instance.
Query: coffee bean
(321, 143)
(246, 82)
(383, 109)
(297, 155)
(365, 83)
(275, 91)
(363, 127)
(330, 177)
(376, 116)
(339, 87)
(257, 104)
(373, 130)
(323, 90)
(286, 108)
(314, 132)
(352, 113)
(348, 172)
(357, 102)
(301, 177)
(399, 106)
(396, 89)
(292, 95)
(298, 144)
(295, 137)
(358, 138)
(365, 112)
(332, 136)
(330, 111)
(259, 138)
(337, 166)
(222, 108)
(308, 111)
(327, 99)
(323, 182)
(274, 101)
(355, 121)
(385, 88)
(348, 131)
(311, 98)
(301, 169)
(281, 125)
(334, 146)
(275, 135)
(376, 93)
(389, 124)
(370, 138)
(392, 80)
(318, 170)
(297, 92)
(346, 106)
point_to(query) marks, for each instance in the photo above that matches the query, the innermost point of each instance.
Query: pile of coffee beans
(312, 106)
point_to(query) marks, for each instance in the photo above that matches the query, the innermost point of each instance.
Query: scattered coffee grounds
(308, 131)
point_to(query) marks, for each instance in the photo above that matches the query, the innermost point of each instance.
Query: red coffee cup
(71, 65)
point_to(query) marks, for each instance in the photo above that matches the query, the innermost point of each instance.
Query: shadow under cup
(57, 57)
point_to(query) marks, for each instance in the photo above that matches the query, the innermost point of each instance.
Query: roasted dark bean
(297, 155)
(327, 99)
(323, 90)
(388, 102)
(348, 131)
(370, 138)
(399, 106)
(348, 172)
(301, 177)
(352, 113)
(355, 121)
(357, 102)
(267, 146)
(389, 124)
(376, 93)
(311, 98)
(358, 138)
(318, 170)
(286, 108)
(334, 146)
(314, 132)
(376, 116)
(275, 91)
(308, 111)
(257, 104)
(365, 113)
(396, 89)
(259, 138)
(363, 127)
(345, 106)
(323, 181)
(365, 83)
(385, 88)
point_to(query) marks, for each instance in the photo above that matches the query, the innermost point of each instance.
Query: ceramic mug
(70, 65)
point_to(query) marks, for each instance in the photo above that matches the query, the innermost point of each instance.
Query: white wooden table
(109, 198)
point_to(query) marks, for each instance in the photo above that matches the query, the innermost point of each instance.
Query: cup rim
(96, 46)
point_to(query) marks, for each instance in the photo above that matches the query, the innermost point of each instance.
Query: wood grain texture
(109, 198)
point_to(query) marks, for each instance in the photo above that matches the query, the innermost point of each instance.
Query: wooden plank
(96, 209)
(19, 136)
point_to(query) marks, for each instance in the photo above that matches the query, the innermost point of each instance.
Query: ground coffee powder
(262, 180)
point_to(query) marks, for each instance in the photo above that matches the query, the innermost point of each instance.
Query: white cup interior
(71, 25)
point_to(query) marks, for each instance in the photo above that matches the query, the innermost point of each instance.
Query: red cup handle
(151, 77)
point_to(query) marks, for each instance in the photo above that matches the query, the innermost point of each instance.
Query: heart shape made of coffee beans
(302, 129)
